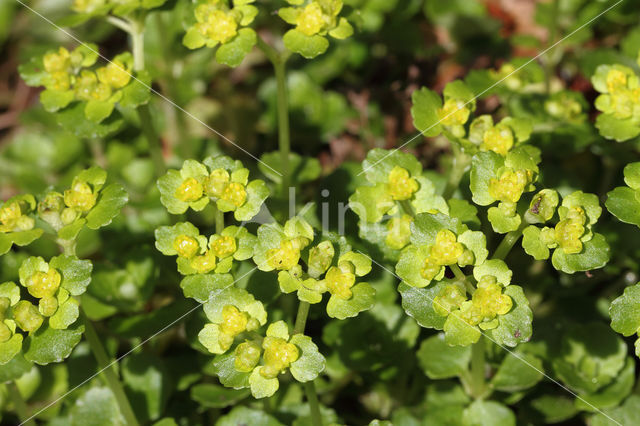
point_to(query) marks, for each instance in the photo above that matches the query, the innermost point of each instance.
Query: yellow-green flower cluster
(445, 251)
(219, 23)
(14, 214)
(620, 93)
(16, 314)
(487, 302)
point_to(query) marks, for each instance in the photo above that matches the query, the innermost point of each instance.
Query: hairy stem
(279, 60)
(477, 368)
(107, 370)
(19, 405)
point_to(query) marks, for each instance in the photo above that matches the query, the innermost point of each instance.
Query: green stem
(301, 317)
(20, 405)
(507, 243)
(550, 59)
(312, 397)
(462, 277)
(408, 208)
(458, 169)
(146, 122)
(68, 246)
(108, 370)
(477, 368)
(279, 60)
(219, 221)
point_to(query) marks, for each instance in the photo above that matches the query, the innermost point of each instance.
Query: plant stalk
(279, 60)
(301, 317)
(408, 208)
(107, 370)
(19, 404)
(477, 368)
(144, 113)
(462, 277)
(507, 243)
(219, 220)
(458, 169)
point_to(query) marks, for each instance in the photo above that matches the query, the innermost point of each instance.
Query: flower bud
(48, 306)
(339, 280)
(224, 246)
(446, 249)
(80, 197)
(186, 246)
(27, 316)
(235, 194)
(190, 190)
(216, 182)
(204, 263)
(401, 185)
(44, 284)
(311, 20)
(278, 356)
(449, 299)
(247, 356)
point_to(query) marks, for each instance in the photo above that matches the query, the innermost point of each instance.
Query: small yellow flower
(489, 299)
(235, 194)
(59, 61)
(569, 230)
(399, 231)
(233, 323)
(204, 263)
(216, 183)
(218, 25)
(247, 356)
(284, 257)
(446, 249)
(498, 139)
(80, 197)
(44, 284)
(311, 20)
(12, 218)
(450, 298)
(510, 186)
(186, 246)
(430, 269)
(278, 356)
(616, 79)
(454, 112)
(401, 185)
(27, 316)
(58, 80)
(114, 74)
(339, 280)
(224, 246)
(88, 88)
(190, 190)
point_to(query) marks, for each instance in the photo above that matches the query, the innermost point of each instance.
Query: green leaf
(240, 298)
(9, 349)
(54, 100)
(71, 231)
(214, 396)
(418, 304)
(33, 72)
(380, 162)
(410, 264)
(477, 243)
(623, 204)
(14, 368)
(594, 255)
(484, 167)
(205, 287)
(66, 315)
(22, 238)
(532, 243)
(617, 129)
(371, 203)
(441, 361)
(632, 175)
(515, 326)
(137, 91)
(310, 363)
(496, 268)
(110, 201)
(624, 312)
(97, 407)
(458, 332)
(73, 119)
(343, 30)
(626, 414)
(223, 367)
(261, 387)
(257, 193)
(233, 52)
(247, 416)
(363, 299)
(76, 273)
(518, 371)
(488, 413)
(166, 235)
(424, 111)
(307, 46)
(612, 394)
(49, 345)
(97, 111)
(500, 222)
(147, 384)
(168, 184)
(303, 169)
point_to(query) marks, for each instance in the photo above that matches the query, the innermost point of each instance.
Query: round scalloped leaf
(71, 231)
(515, 326)
(49, 345)
(223, 366)
(55, 100)
(484, 167)
(205, 287)
(371, 203)
(30, 266)
(11, 291)
(110, 201)
(441, 361)
(166, 235)
(193, 39)
(66, 314)
(10, 348)
(589, 202)
(477, 243)
(233, 52)
(21, 239)
(257, 192)
(15, 368)
(240, 298)
(426, 200)
(424, 111)
(623, 204)
(532, 243)
(310, 363)
(97, 407)
(624, 312)
(617, 129)
(409, 266)
(380, 162)
(425, 227)
(517, 372)
(502, 223)
(137, 91)
(496, 268)
(73, 119)
(168, 184)
(363, 299)
(242, 415)
(625, 414)
(307, 46)
(97, 111)
(612, 394)
(262, 387)
(458, 332)
(594, 255)
(361, 262)
(76, 273)
(632, 175)
(488, 413)
(418, 304)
